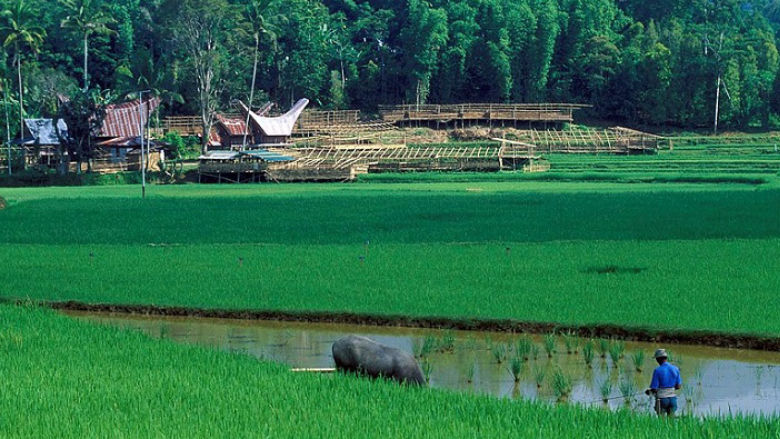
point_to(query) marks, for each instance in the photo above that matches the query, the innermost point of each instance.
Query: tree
(86, 18)
(83, 113)
(21, 31)
(263, 16)
(200, 30)
(422, 36)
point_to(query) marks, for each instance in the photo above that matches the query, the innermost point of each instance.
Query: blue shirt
(665, 376)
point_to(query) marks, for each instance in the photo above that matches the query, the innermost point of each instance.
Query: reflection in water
(715, 381)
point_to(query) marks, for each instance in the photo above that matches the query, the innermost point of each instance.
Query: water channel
(715, 381)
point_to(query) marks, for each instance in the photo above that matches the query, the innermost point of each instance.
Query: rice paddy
(91, 381)
(569, 253)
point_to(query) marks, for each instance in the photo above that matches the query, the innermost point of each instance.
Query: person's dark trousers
(666, 406)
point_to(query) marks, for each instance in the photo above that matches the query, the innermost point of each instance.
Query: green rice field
(531, 251)
(93, 381)
(706, 252)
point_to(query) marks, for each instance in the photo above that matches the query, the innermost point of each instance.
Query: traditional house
(229, 132)
(274, 131)
(40, 141)
(119, 136)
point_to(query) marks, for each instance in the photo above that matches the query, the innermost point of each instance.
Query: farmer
(664, 385)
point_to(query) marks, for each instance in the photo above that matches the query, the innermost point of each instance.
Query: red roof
(124, 120)
(235, 126)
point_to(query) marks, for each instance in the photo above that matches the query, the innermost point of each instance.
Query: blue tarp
(268, 156)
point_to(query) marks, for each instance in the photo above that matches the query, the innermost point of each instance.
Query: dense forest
(636, 61)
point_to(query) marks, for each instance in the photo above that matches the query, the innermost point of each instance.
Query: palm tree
(86, 19)
(21, 31)
(259, 13)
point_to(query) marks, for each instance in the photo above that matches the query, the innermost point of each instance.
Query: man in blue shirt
(665, 384)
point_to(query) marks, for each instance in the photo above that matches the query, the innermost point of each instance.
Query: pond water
(715, 380)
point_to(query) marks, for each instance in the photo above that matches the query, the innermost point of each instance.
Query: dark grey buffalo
(363, 355)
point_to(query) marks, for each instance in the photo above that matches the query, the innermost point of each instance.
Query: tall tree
(200, 31)
(87, 18)
(263, 16)
(423, 35)
(83, 114)
(22, 32)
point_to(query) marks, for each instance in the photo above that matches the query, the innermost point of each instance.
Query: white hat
(660, 353)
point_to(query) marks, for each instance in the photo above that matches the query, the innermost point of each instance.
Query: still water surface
(715, 380)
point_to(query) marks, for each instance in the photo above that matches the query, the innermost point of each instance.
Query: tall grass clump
(499, 352)
(427, 368)
(535, 350)
(428, 346)
(523, 347)
(638, 358)
(605, 389)
(587, 353)
(549, 344)
(572, 342)
(603, 346)
(516, 366)
(627, 388)
(561, 384)
(539, 374)
(616, 352)
(447, 342)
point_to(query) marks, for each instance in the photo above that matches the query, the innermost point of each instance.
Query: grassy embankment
(66, 378)
(556, 252)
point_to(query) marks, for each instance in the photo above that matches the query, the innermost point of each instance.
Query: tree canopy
(635, 61)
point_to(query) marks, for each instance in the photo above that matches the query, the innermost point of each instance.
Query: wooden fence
(542, 112)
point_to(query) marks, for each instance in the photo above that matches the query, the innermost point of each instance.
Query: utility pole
(141, 132)
(7, 125)
(719, 81)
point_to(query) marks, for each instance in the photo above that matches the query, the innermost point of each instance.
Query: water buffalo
(354, 353)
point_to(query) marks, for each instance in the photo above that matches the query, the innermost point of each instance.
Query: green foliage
(603, 345)
(616, 349)
(638, 357)
(634, 62)
(523, 347)
(549, 344)
(605, 389)
(516, 367)
(500, 352)
(181, 147)
(587, 353)
(561, 384)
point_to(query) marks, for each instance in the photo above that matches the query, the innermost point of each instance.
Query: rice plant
(561, 384)
(499, 352)
(616, 352)
(603, 346)
(627, 388)
(539, 374)
(572, 342)
(427, 368)
(605, 389)
(523, 347)
(428, 346)
(549, 344)
(535, 350)
(638, 358)
(470, 373)
(447, 342)
(587, 353)
(516, 366)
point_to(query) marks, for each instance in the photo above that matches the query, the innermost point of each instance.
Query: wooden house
(274, 131)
